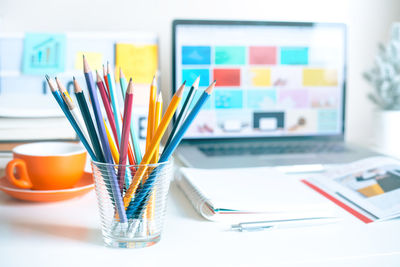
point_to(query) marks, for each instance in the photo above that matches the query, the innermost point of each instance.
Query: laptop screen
(273, 79)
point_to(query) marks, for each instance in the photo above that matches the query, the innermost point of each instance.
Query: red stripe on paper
(339, 203)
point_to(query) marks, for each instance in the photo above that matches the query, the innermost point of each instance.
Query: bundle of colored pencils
(112, 138)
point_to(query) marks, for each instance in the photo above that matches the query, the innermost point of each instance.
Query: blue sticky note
(228, 99)
(44, 53)
(190, 75)
(294, 55)
(196, 55)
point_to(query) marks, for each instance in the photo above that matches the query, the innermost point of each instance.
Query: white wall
(368, 20)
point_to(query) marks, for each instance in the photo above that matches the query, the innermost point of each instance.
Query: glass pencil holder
(132, 201)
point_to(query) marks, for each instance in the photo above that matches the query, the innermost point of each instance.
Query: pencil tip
(73, 78)
(159, 98)
(184, 82)
(210, 88)
(196, 82)
(47, 77)
(179, 93)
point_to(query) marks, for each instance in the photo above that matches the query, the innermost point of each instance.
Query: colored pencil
(158, 116)
(138, 205)
(116, 192)
(184, 109)
(173, 105)
(114, 103)
(106, 82)
(107, 106)
(88, 120)
(150, 117)
(74, 111)
(71, 120)
(185, 125)
(157, 120)
(123, 151)
(113, 146)
(134, 136)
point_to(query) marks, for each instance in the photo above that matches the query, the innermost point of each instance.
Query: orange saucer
(84, 185)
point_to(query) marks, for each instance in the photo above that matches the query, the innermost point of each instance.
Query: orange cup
(46, 165)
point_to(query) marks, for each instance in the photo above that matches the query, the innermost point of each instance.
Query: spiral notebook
(244, 194)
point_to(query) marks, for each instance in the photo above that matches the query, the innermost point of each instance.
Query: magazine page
(372, 184)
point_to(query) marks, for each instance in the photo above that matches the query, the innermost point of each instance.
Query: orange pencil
(150, 117)
(155, 141)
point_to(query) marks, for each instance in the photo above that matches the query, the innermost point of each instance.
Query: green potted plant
(384, 77)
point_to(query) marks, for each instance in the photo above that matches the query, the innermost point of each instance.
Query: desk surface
(68, 234)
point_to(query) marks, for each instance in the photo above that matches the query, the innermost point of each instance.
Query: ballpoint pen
(281, 224)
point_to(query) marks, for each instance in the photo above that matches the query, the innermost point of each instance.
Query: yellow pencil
(113, 147)
(151, 114)
(155, 141)
(157, 119)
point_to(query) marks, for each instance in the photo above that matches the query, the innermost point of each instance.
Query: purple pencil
(103, 139)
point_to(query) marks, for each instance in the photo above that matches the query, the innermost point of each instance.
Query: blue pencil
(114, 103)
(138, 204)
(71, 120)
(117, 196)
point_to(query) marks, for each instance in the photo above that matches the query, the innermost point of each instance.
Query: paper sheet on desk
(250, 194)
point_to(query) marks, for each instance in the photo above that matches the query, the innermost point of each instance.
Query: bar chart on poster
(25, 58)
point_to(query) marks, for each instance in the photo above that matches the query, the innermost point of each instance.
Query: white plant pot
(387, 132)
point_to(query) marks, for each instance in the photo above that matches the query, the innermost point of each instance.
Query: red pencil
(106, 81)
(126, 125)
(107, 107)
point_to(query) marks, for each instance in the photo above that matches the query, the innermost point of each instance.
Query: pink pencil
(126, 123)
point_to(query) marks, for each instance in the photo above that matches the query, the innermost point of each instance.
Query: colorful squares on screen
(287, 76)
(233, 121)
(320, 77)
(293, 98)
(196, 55)
(227, 77)
(294, 55)
(324, 97)
(268, 121)
(190, 75)
(228, 99)
(301, 121)
(260, 77)
(230, 55)
(261, 55)
(261, 99)
(328, 120)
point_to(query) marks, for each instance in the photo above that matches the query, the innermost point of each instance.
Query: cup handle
(23, 181)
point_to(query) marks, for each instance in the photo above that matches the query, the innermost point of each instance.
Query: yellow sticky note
(138, 62)
(94, 59)
(320, 77)
(261, 77)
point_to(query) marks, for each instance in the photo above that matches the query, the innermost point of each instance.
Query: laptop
(279, 99)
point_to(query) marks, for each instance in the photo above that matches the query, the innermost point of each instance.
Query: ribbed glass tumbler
(144, 189)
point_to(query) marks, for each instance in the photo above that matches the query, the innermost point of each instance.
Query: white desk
(68, 234)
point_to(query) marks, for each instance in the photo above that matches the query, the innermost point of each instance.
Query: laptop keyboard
(228, 150)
